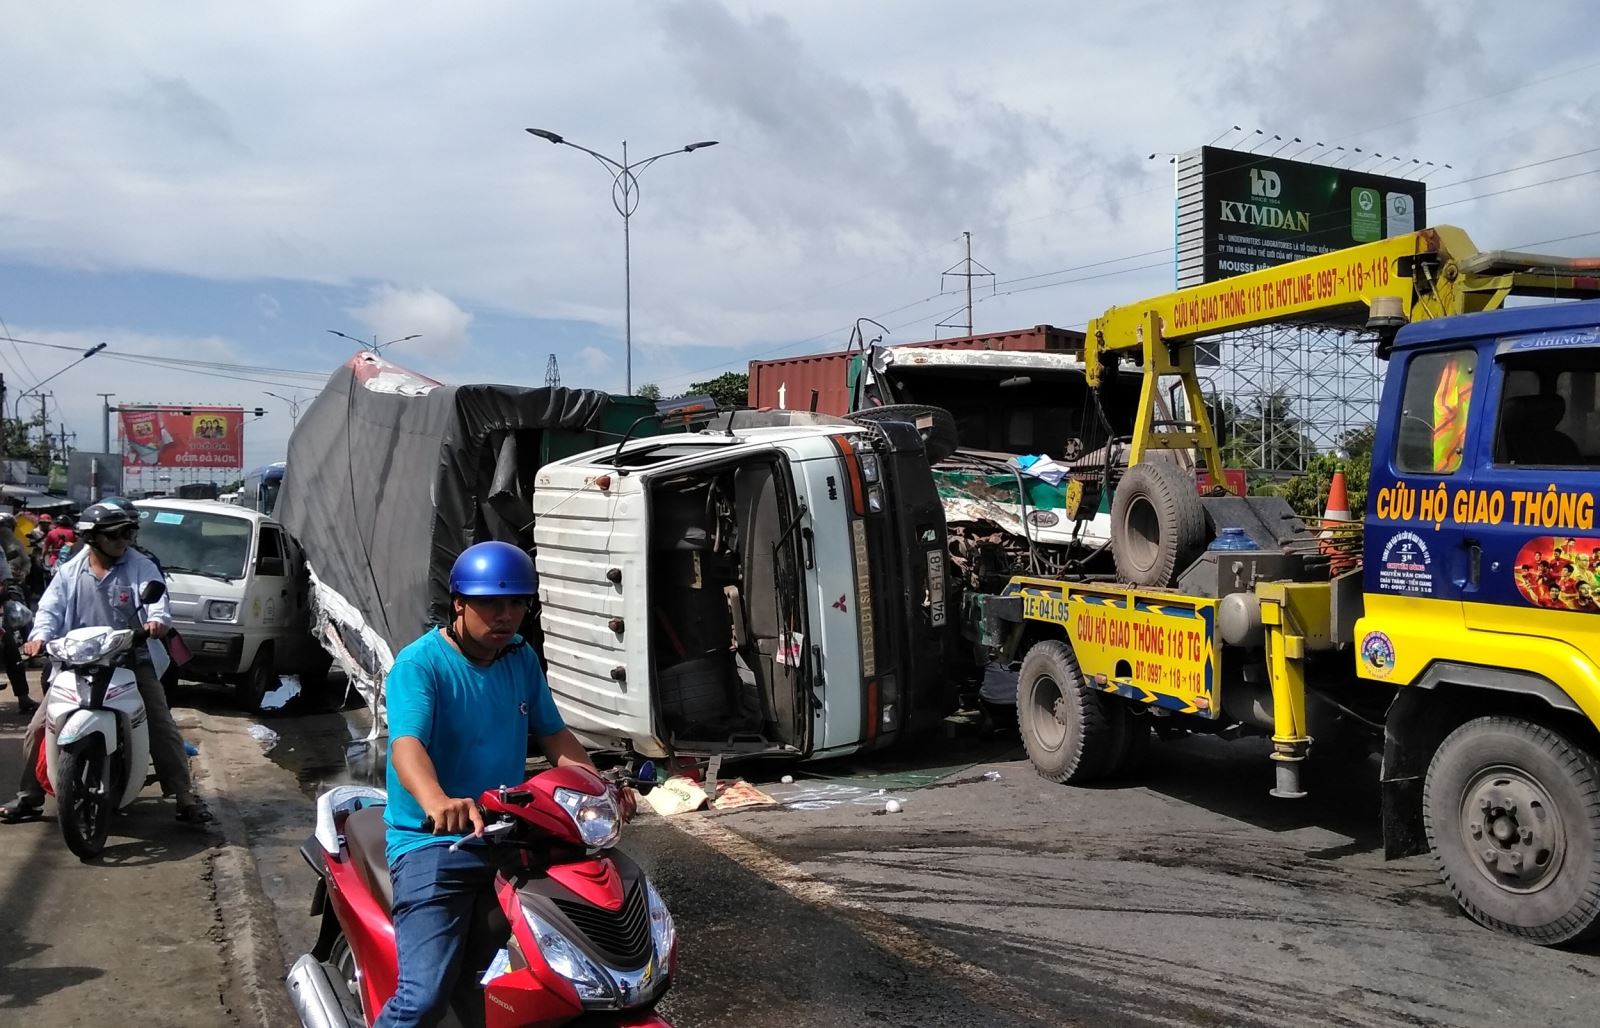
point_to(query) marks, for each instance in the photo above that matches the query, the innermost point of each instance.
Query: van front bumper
(215, 653)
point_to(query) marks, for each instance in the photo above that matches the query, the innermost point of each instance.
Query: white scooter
(97, 742)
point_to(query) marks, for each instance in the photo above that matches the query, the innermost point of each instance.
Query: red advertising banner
(182, 437)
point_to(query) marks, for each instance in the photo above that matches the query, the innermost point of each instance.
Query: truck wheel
(1065, 724)
(1133, 742)
(1512, 811)
(253, 686)
(938, 435)
(1158, 525)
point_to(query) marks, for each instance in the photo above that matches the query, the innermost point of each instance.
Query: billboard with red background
(182, 437)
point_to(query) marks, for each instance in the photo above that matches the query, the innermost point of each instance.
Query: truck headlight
(221, 610)
(875, 499)
(869, 466)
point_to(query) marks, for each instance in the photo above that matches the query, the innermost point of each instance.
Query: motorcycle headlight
(597, 817)
(94, 644)
(565, 959)
(662, 931)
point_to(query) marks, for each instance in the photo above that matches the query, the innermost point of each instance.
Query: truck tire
(1066, 725)
(939, 438)
(1134, 738)
(1158, 525)
(1512, 812)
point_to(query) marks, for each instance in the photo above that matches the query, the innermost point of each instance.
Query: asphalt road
(1187, 898)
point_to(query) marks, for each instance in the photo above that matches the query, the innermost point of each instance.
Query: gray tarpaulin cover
(389, 479)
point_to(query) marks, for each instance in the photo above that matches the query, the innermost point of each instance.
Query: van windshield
(198, 543)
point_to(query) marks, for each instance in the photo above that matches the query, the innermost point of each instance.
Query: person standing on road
(462, 701)
(102, 589)
(13, 573)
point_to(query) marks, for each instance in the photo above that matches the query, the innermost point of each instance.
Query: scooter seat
(364, 834)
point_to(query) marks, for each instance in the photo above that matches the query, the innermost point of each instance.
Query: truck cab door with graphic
(1531, 517)
(1413, 548)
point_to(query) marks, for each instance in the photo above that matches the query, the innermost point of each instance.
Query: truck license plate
(936, 587)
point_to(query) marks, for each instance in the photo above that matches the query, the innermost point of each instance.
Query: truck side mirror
(152, 591)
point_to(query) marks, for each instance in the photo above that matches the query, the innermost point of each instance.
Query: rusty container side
(795, 383)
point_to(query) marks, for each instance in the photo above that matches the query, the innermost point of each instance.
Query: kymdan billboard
(1240, 212)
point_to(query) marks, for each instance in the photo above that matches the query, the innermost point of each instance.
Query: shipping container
(821, 381)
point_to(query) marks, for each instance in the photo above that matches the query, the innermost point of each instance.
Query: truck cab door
(1530, 519)
(1417, 560)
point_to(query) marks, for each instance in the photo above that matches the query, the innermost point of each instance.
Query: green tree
(16, 442)
(1308, 493)
(729, 389)
(650, 391)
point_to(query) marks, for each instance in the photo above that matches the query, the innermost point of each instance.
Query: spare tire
(1158, 525)
(936, 425)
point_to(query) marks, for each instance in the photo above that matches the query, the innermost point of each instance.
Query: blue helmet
(494, 569)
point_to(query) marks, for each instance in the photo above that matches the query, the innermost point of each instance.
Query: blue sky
(227, 182)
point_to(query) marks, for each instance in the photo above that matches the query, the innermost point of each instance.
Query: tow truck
(1455, 629)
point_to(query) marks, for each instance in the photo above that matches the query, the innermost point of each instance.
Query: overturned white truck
(768, 583)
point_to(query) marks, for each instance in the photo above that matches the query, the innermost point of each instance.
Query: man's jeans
(436, 894)
(166, 742)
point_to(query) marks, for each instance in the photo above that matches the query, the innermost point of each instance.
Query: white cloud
(393, 313)
(348, 143)
(594, 360)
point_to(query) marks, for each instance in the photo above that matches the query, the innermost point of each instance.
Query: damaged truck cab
(774, 584)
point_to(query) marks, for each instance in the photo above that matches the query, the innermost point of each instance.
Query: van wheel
(252, 687)
(1158, 525)
(1066, 725)
(936, 425)
(1512, 811)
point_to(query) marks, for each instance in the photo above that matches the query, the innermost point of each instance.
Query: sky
(209, 185)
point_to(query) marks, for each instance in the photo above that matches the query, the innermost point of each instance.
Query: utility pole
(552, 373)
(967, 273)
(44, 427)
(105, 411)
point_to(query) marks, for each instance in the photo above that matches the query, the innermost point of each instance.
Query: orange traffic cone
(1336, 540)
(1338, 499)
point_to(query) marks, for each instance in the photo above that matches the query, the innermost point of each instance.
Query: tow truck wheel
(1133, 742)
(1512, 811)
(1158, 525)
(1066, 725)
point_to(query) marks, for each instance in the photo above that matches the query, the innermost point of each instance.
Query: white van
(236, 585)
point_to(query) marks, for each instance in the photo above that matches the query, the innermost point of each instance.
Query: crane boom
(1431, 273)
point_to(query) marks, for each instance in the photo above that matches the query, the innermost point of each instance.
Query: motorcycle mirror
(645, 777)
(152, 591)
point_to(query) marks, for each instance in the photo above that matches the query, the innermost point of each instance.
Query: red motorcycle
(575, 934)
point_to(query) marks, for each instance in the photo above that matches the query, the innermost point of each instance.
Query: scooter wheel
(83, 797)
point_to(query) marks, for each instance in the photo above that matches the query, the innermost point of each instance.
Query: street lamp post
(16, 412)
(375, 346)
(625, 198)
(294, 407)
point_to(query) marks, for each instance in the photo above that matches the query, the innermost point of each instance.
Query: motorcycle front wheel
(82, 799)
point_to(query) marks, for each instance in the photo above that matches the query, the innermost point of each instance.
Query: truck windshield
(198, 543)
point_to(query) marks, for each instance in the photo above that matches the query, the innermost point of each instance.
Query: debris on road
(265, 736)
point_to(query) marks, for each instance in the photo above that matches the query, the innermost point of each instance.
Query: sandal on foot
(16, 812)
(195, 813)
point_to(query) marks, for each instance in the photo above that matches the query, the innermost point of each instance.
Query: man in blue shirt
(461, 701)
